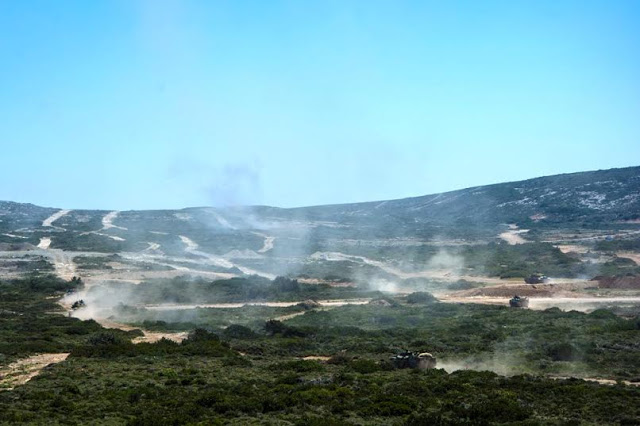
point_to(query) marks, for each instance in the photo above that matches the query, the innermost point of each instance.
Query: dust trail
(513, 235)
(63, 263)
(441, 266)
(48, 222)
(21, 371)
(107, 221)
(222, 221)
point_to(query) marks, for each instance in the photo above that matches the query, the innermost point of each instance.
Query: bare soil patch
(21, 371)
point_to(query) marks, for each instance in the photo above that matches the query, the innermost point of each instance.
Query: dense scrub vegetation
(255, 373)
(148, 390)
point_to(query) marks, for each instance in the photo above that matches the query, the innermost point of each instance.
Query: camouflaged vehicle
(519, 302)
(536, 279)
(408, 359)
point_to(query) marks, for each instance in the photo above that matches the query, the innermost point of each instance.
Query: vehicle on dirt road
(407, 359)
(536, 279)
(519, 302)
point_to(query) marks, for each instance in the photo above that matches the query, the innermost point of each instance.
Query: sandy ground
(573, 248)
(45, 243)
(316, 358)
(149, 336)
(20, 372)
(599, 381)
(630, 255)
(514, 237)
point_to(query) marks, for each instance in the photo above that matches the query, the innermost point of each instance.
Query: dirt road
(323, 303)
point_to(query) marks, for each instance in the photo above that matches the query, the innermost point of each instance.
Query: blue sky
(126, 104)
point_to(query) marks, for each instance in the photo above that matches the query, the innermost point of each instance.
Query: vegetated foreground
(257, 372)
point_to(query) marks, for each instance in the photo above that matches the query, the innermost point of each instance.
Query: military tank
(407, 359)
(78, 304)
(519, 302)
(536, 279)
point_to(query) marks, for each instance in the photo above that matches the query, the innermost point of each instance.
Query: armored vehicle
(519, 302)
(78, 304)
(408, 359)
(536, 279)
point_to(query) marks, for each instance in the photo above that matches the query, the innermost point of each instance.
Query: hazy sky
(123, 104)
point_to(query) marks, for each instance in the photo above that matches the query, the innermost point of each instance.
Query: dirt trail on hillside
(268, 242)
(107, 221)
(48, 222)
(192, 248)
(21, 371)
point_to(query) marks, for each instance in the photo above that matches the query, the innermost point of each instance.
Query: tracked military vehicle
(408, 359)
(519, 302)
(536, 279)
(78, 304)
